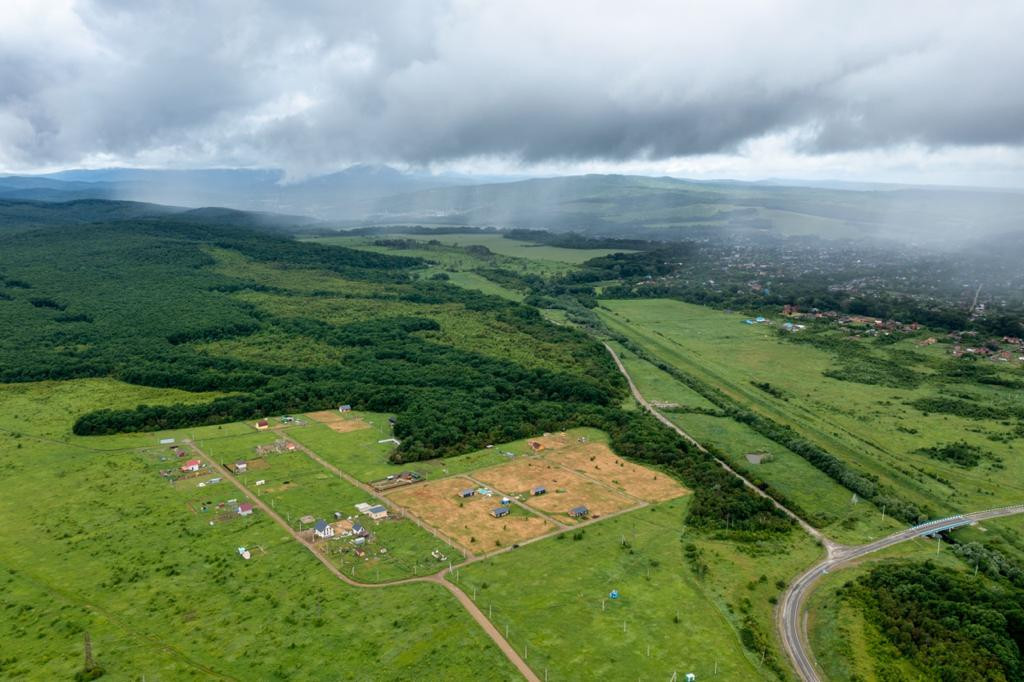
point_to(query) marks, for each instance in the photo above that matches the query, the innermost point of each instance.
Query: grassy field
(553, 596)
(827, 504)
(869, 426)
(96, 541)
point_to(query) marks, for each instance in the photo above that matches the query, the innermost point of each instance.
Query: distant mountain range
(636, 206)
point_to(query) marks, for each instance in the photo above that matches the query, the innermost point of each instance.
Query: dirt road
(438, 578)
(790, 617)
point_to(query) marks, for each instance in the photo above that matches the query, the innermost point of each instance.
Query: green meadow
(826, 504)
(553, 598)
(96, 541)
(358, 453)
(869, 426)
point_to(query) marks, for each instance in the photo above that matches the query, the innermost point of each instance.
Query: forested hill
(19, 215)
(285, 326)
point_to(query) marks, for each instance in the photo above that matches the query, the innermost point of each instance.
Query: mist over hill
(655, 208)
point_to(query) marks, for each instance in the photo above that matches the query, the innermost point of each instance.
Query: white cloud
(794, 87)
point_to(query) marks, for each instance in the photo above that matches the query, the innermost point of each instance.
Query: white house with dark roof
(322, 529)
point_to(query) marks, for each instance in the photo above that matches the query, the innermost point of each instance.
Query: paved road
(790, 617)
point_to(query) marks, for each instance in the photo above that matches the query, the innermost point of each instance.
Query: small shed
(578, 512)
(378, 512)
(358, 530)
(262, 425)
(245, 509)
(538, 490)
(323, 530)
(241, 467)
(498, 512)
(191, 465)
(345, 408)
(468, 492)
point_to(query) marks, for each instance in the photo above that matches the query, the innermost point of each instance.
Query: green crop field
(553, 596)
(870, 426)
(95, 541)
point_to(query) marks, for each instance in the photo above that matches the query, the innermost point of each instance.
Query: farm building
(322, 529)
(245, 509)
(345, 408)
(538, 490)
(262, 425)
(378, 512)
(498, 512)
(362, 507)
(241, 467)
(191, 465)
(468, 492)
(578, 512)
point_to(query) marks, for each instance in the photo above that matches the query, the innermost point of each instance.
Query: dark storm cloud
(313, 84)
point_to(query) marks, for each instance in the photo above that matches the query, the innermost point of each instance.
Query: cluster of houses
(867, 323)
(968, 344)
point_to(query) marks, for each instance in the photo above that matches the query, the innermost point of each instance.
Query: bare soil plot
(565, 489)
(468, 520)
(258, 464)
(336, 421)
(597, 461)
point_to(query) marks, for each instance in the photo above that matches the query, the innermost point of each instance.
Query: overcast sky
(901, 91)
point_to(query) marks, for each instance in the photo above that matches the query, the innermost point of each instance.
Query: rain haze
(553, 340)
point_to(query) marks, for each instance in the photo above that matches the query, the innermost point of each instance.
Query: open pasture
(468, 520)
(872, 427)
(95, 540)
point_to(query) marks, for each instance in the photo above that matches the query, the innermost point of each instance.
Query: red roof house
(244, 509)
(191, 465)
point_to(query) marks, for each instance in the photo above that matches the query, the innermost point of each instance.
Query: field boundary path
(438, 578)
(378, 495)
(790, 617)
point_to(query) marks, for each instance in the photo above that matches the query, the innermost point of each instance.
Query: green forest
(949, 624)
(151, 302)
